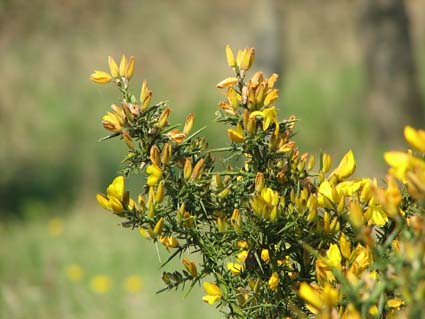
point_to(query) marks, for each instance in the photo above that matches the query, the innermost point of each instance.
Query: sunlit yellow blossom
(242, 255)
(334, 256)
(273, 281)
(129, 71)
(74, 273)
(346, 167)
(176, 136)
(169, 241)
(416, 138)
(213, 293)
(230, 57)
(100, 284)
(190, 267)
(112, 122)
(101, 77)
(395, 302)
(55, 227)
(145, 96)
(235, 268)
(123, 65)
(155, 174)
(236, 135)
(400, 163)
(113, 67)
(317, 300)
(265, 256)
(133, 284)
(269, 116)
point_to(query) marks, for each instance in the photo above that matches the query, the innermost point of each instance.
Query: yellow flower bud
(213, 293)
(154, 155)
(159, 196)
(166, 153)
(176, 136)
(274, 281)
(187, 169)
(128, 140)
(326, 162)
(169, 241)
(346, 167)
(197, 169)
(235, 268)
(271, 97)
(101, 77)
(145, 96)
(259, 182)
(416, 138)
(265, 256)
(159, 226)
(129, 71)
(189, 123)
(356, 215)
(123, 65)
(103, 201)
(230, 57)
(113, 67)
(190, 267)
(162, 121)
(227, 82)
(221, 223)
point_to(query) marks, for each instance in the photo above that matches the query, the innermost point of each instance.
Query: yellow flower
(395, 302)
(334, 256)
(133, 284)
(155, 174)
(236, 135)
(274, 281)
(265, 256)
(416, 138)
(74, 273)
(190, 267)
(235, 268)
(213, 293)
(230, 57)
(346, 167)
(318, 301)
(113, 67)
(101, 77)
(100, 284)
(269, 116)
(55, 227)
(242, 255)
(112, 122)
(145, 96)
(169, 241)
(116, 197)
(400, 163)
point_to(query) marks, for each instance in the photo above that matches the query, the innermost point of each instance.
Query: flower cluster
(270, 236)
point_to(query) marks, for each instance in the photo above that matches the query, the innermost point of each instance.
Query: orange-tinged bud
(197, 169)
(113, 67)
(190, 267)
(287, 147)
(128, 140)
(187, 169)
(123, 65)
(101, 77)
(129, 71)
(176, 136)
(189, 123)
(230, 57)
(154, 155)
(163, 118)
(145, 96)
(227, 108)
(166, 154)
(169, 241)
(227, 82)
(259, 182)
(188, 220)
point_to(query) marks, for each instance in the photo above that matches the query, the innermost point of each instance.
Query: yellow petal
(310, 295)
(346, 167)
(227, 82)
(416, 138)
(274, 281)
(116, 189)
(103, 201)
(130, 68)
(230, 57)
(113, 67)
(101, 77)
(334, 256)
(235, 135)
(123, 65)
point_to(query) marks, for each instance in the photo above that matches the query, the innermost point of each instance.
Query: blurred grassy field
(35, 256)
(52, 165)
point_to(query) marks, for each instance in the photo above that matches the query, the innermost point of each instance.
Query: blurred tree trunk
(393, 92)
(268, 42)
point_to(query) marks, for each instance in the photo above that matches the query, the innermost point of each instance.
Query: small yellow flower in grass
(55, 227)
(416, 138)
(274, 281)
(133, 284)
(74, 273)
(100, 284)
(235, 268)
(213, 293)
(101, 77)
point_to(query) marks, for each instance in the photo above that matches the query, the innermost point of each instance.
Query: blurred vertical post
(393, 92)
(268, 42)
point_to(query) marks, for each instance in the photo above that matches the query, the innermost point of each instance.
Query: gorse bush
(273, 236)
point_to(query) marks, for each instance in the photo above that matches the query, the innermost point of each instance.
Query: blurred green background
(54, 240)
